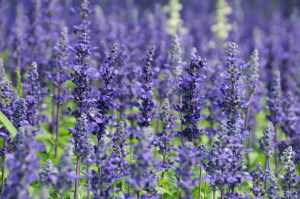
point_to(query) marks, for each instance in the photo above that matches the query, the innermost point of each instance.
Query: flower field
(149, 99)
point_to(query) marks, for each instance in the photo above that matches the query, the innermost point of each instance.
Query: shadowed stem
(222, 193)
(246, 125)
(199, 187)
(214, 194)
(53, 114)
(77, 178)
(88, 183)
(57, 123)
(276, 151)
(2, 168)
(205, 184)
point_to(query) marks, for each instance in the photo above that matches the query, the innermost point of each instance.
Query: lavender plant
(192, 102)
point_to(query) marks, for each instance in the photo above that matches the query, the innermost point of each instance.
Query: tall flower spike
(176, 57)
(83, 147)
(272, 187)
(252, 73)
(290, 177)
(227, 154)
(267, 140)
(274, 101)
(60, 72)
(34, 95)
(187, 157)
(119, 153)
(82, 70)
(106, 98)
(47, 173)
(192, 100)
(101, 179)
(162, 139)
(7, 94)
(142, 177)
(20, 113)
(146, 92)
(231, 90)
(64, 176)
(258, 179)
(290, 118)
(23, 164)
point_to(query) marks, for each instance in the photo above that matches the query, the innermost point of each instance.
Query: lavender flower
(82, 70)
(163, 139)
(47, 173)
(101, 180)
(192, 102)
(258, 179)
(231, 91)
(119, 153)
(187, 157)
(289, 178)
(64, 177)
(147, 104)
(252, 73)
(267, 140)
(7, 94)
(290, 118)
(272, 187)
(83, 147)
(143, 178)
(274, 106)
(34, 95)
(23, 164)
(60, 69)
(273, 100)
(227, 154)
(106, 98)
(20, 113)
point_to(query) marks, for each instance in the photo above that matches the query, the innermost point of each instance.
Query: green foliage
(8, 125)
(19, 82)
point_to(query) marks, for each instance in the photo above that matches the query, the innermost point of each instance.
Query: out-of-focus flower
(23, 164)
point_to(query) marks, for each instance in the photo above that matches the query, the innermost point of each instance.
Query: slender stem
(199, 187)
(57, 123)
(77, 178)
(222, 193)
(88, 183)
(52, 127)
(246, 126)
(276, 151)
(205, 184)
(214, 194)
(3, 169)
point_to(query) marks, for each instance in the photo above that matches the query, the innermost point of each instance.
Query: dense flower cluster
(110, 99)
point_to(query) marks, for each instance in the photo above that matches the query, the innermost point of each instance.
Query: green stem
(57, 124)
(77, 178)
(276, 151)
(3, 169)
(205, 189)
(222, 193)
(88, 182)
(199, 187)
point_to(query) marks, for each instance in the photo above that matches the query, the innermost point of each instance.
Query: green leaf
(8, 125)
(164, 191)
